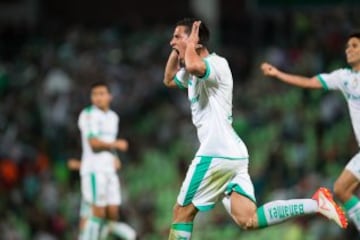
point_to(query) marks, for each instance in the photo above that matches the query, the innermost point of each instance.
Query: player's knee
(99, 212)
(183, 213)
(246, 221)
(113, 216)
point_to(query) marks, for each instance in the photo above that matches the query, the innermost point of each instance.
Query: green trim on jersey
(322, 81)
(349, 204)
(197, 177)
(234, 187)
(207, 70)
(178, 83)
(93, 186)
(223, 157)
(89, 109)
(92, 135)
(194, 99)
(205, 207)
(182, 226)
(261, 217)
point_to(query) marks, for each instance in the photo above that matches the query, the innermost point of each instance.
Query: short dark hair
(204, 33)
(355, 34)
(99, 84)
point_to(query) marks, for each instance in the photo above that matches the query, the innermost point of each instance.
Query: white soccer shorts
(85, 209)
(354, 166)
(101, 189)
(208, 179)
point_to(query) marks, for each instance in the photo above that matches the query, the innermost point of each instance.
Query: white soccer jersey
(211, 107)
(348, 82)
(94, 122)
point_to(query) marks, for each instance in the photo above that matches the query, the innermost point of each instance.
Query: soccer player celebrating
(219, 169)
(99, 182)
(348, 82)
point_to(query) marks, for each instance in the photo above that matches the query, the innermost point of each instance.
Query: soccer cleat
(328, 207)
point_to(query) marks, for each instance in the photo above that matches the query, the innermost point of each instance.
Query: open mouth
(177, 51)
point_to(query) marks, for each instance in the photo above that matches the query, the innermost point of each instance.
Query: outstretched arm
(172, 66)
(299, 81)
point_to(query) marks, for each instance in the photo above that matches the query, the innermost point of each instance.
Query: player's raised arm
(171, 68)
(193, 62)
(296, 80)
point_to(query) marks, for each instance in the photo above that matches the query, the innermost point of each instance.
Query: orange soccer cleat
(328, 207)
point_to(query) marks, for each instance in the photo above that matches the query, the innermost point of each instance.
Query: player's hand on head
(269, 70)
(121, 144)
(194, 35)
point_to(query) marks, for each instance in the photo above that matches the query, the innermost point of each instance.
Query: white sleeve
(88, 124)
(210, 73)
(182, 78)
(333, 80)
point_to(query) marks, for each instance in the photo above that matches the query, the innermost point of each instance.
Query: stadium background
(51, 51)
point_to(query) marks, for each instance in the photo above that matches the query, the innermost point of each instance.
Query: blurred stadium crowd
(297, 140)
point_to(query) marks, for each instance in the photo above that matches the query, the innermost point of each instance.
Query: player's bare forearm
(172, 66)
(193, 62)
(299, 81)
(296, 80)
(98, 145)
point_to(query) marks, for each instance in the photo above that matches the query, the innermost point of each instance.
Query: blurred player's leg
(119, 229)
(93, 191)
(85, 214)
(92, 228)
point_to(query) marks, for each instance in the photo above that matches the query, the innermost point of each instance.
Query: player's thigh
(242, 208)
(113, 190)
(93, 188)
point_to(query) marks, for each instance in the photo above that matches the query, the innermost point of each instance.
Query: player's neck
(104, 109)
(356, 67)
(203, 52)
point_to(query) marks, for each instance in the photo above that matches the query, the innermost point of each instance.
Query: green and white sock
(352, 207)
(278, 211)
(181, 231)
(122, 230)
(92, 229)
(105, 231)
